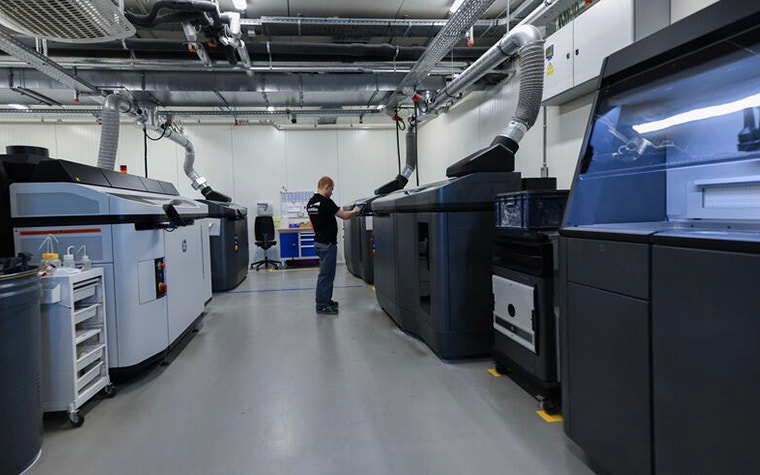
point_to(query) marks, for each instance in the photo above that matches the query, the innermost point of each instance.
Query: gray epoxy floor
(269, 387)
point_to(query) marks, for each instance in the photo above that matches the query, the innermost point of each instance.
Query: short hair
(325, 181)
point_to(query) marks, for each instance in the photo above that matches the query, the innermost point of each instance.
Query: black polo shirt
(322, 215)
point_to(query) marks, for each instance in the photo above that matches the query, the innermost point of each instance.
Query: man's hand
(348, 214)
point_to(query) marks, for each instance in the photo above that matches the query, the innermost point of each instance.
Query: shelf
(84, 292)
(51, 295)
(86, 334)
(86, 355)
(89, 376)
(85, 313)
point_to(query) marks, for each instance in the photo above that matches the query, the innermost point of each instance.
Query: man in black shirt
(322, 212)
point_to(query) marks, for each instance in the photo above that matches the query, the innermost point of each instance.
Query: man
(322, 212)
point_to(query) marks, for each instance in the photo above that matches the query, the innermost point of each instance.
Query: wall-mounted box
(575, 52)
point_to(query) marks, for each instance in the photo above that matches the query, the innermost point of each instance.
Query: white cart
(74, 351)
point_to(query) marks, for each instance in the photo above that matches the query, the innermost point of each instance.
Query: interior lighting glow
(19, 107)
(270, 109)
(240, 4)
(699, 114)
(455, 6)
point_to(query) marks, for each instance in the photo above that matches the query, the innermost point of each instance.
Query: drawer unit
(620, 267)
(74, 346)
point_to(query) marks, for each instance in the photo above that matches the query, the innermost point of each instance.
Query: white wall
(249, 163)
(682, 8)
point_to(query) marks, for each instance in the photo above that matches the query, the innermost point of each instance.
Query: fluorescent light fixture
(380, 107)
(455, 6)
(270, 109)
(19, 107)
(699, 114)
(240, 4)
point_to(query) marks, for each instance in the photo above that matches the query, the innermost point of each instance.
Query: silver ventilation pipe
(526, 42)
(234, 39)
(149, 121)
(531, 91)
(147, 118)
(113, 106)
(505, 48)
(459, 23)
(411, 152)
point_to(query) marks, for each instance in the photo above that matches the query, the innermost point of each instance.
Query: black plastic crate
(530, 209)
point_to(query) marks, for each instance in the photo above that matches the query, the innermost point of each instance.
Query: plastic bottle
(50, 262)
(86, 262)
(68, 259)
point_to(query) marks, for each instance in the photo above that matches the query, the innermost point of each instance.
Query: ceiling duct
(70, 21)
(459, 23)
(504, 49)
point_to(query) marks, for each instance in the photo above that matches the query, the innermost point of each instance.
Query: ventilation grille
(69, 21)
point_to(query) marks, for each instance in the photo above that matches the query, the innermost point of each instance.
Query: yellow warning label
(494, 373)
(550, 417)
(549, 69)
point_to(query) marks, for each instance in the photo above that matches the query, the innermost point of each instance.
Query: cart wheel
(549, 406)
(76, 419)
(109, 391)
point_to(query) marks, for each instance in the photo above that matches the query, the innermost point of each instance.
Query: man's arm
(342, 214)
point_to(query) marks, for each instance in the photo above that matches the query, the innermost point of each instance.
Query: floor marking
(494, 373)
(290, 290)
(550, 417)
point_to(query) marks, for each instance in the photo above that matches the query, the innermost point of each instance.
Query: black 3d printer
(660, 254)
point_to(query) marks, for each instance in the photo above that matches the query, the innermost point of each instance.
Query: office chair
(263, 229)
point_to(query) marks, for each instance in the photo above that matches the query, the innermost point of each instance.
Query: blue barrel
(20, 368)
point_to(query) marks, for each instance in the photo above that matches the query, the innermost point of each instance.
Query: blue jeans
(328, 254)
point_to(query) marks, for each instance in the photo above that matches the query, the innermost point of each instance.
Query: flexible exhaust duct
(510, 44)
(149, 120)
(402, 179)
(526, 41)
(531, 90)
(113, 106)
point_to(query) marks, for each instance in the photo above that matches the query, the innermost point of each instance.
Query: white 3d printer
(152, 244)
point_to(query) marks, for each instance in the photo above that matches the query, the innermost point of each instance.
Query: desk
(297, 243)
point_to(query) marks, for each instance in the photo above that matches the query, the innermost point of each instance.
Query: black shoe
(327, 311)
(333, 303)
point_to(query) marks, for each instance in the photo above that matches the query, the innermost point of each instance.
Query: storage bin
(535, 209)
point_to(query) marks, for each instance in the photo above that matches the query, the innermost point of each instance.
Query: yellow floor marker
(495, 373)
(550, 417)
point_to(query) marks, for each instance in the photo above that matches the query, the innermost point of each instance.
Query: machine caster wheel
(109, 391)
(549, 406)
(76, 419)
(501, 369)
